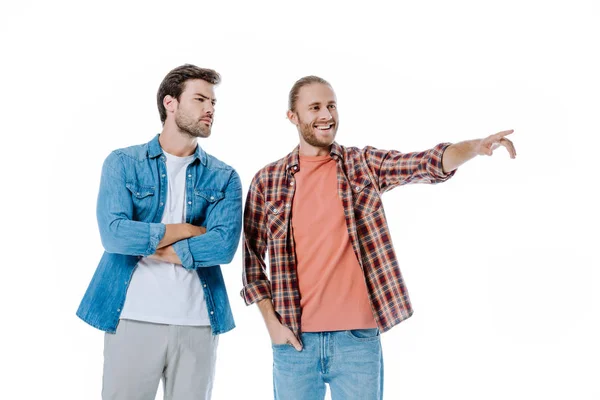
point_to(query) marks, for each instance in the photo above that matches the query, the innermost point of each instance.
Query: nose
(210, 109)
(325, 114)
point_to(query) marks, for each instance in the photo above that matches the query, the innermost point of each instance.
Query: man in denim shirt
(168, 215)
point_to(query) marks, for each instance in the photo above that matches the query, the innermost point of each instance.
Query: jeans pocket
(363, 335)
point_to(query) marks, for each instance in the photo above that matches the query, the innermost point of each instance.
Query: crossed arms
(186, 244)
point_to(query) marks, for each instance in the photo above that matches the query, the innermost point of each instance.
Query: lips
(207, 120)
(324, 127)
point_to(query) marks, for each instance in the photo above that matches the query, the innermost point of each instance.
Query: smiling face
(196, 107)
(316, 116)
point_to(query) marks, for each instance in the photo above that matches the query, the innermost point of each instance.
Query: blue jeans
(351, 363)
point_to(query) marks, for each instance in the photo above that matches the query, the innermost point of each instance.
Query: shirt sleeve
(119, 233)
(256, 284)
(223, 225)
(392, 168)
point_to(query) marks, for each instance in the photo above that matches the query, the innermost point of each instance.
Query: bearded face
(315, 114)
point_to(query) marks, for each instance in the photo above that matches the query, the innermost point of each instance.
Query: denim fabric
(133, 190)
(350, 362)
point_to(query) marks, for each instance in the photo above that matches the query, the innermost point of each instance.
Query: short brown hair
(307, 80)
(174, 83)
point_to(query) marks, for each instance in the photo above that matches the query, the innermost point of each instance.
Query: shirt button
(162, 176)
(162, 204)
(357, 188)
(118, 310)
(189, 202)
(190, 175)
(295, 168)
(138, 193)
(212, 312)
(287, 205)
(212, 197)
(291, 183)
(204, 285)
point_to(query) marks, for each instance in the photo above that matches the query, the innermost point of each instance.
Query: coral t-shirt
(332, 285)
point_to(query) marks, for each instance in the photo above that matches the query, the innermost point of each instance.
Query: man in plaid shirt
(334, 281)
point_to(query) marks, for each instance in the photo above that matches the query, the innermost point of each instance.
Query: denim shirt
(131, 202)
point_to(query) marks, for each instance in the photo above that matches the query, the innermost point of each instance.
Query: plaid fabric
(363, 175)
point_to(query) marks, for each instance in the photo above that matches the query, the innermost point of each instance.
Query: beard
(190, 126)
(307, 130)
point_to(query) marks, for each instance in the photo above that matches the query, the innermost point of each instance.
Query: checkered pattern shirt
(363, 175)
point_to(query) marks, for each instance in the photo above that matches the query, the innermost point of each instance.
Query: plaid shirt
(362, 176)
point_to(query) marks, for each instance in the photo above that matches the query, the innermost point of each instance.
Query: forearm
(392, 168)
(215, 247)
(222, 235)
(123, 236)
(166, 254)
(268, 313)
(459, 153)
(279, 333)
(177, 232)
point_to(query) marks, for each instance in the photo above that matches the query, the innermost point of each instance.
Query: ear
(170, 103)
(293, 117)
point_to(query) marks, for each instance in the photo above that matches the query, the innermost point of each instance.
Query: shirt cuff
(182, 249)
(157, 232)
(256, 291)
(435, 168)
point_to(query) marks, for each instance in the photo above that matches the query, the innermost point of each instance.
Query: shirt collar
(154, 150)
(292, 161)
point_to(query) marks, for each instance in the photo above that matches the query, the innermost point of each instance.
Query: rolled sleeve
(256, 291)
(182, 249)
(435, 167)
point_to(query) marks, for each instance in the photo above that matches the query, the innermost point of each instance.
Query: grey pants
(139, 354)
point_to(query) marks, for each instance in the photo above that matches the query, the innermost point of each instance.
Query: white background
(501, 261)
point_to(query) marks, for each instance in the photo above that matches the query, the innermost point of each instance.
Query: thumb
(295, 342)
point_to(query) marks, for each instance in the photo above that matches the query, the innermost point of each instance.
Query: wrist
(272, 323)
(266, 309)
(475, 148)
(189, 230)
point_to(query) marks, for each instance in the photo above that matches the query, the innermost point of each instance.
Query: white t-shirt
(162, 292)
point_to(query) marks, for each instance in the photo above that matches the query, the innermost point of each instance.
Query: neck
(312, 151)
(175, 142)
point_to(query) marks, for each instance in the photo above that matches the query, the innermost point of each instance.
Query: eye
(332, 106)
(200, 99)
(314, 108)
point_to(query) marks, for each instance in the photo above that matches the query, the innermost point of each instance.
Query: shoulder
(213, 163)
(125, 157)
(270, 171)
(221, 173)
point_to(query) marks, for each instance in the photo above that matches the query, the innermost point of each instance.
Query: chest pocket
(277, 222)
(203, 202)
(142, 197)
(365, 197)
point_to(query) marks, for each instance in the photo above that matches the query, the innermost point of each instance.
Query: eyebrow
(316, 103)
(206, 97)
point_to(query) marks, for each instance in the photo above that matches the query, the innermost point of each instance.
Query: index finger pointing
(504, 133)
